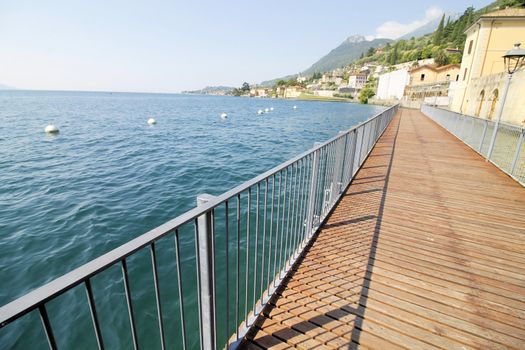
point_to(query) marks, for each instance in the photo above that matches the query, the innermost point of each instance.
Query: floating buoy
(271, 108)
(51, 129)
(224, 115)
(266, 110)
(294, 107)
(260, 111)
(152, 121)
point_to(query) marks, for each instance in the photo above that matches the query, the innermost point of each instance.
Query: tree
(441, 58)
(394, 55)
(366, 93)
(245, 87)
(370, 52)
(438, 34)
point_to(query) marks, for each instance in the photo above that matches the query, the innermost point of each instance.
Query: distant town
(458, 66)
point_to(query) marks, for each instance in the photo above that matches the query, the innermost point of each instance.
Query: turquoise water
(108, 177)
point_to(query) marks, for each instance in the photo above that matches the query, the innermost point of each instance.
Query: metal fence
(212, 269)
(507, 152)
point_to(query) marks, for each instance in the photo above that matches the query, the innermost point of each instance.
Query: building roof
(434, 68)
(508, 12)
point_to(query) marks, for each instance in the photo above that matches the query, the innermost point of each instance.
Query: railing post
(499, 115)
(339, 160)
(206, 276)
(517, 153)
(312, 193)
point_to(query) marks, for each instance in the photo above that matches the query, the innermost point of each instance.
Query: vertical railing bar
(47, 327)
(329, 176)
(270, 247)
(264, 234)
(214, 281)
(325, 177)
(93, 312)
(227, 268)
(352, 159)
(256, 246)
(309, 176)
(292, 217)
(277, 224)
(180, 289)
(247, 270)
(319, 188)
(358, 154)
(237, 279)
(297, 211)
(314, 190)
(344, 164)
(289, 210)
(304, 209)
(197, 260)
(283, 220)
(129, 302)
(157, 294)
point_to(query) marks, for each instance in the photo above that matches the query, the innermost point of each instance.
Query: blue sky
(169, 46)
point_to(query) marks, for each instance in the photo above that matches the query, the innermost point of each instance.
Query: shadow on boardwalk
(424, 250)
(337, 267)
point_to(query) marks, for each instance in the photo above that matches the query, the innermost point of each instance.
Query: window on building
(470, 46)
(448, 77)
(465, 75)
(457, 77)
(422, 77)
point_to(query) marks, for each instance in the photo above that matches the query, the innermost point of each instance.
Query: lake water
(108, 177)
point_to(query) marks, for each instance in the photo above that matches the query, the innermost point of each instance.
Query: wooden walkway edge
(425, 250)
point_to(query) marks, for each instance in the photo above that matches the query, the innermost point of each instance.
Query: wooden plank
(425, 250)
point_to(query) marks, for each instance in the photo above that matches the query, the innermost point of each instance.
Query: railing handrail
(506, 154)
(33, 299)
(476, 117)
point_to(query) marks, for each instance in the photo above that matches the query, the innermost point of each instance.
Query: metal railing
(213, 268)
(507, 152)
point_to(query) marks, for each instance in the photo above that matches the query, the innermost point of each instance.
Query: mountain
(349, 50)
(428, 28)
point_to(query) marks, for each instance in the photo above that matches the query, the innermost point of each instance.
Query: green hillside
(449, 35)
(349, 50)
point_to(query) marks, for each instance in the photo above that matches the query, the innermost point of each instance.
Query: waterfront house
(482, 73)
(431, 84)
(357, 80)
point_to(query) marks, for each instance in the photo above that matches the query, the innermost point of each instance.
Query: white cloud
(393, 29)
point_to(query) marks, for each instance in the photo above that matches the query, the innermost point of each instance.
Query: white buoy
(294, 107)
(260, 111)
(266, 110)
(271, 108)
(152, 121)
(224, 116)
(51, 129)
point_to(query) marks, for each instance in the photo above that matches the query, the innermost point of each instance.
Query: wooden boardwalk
(425, 250)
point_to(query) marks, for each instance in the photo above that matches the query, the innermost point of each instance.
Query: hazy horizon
(168, 47)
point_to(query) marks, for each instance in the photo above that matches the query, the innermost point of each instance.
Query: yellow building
(432, 82)
(429, 74)
(482, 73)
